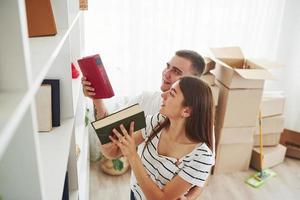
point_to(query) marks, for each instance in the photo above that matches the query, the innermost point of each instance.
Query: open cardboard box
(209, 65)
(291, 139)
(236, 72)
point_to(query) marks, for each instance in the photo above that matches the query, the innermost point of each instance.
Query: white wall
(288, 53)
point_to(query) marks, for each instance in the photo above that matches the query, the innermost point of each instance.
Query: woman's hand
(125, 141)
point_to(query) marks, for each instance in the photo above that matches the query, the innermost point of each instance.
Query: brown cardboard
(208, 78)
(209, 65)
(291, 139)
(234, 149)
(215, 93)
(273, 124)
(237, 108)
(272, 156)
(234, 135)
(269, 139)
(233, 157)
(293, 151)
(236, 72)
(40, 18)
(272, 105)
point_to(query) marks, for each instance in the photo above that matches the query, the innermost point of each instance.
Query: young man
(184, 62)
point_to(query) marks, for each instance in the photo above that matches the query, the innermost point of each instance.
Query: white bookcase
(32, 164)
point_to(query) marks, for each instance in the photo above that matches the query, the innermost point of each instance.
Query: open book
(104, 126)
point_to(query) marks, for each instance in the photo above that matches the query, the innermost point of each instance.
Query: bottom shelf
(54, 153)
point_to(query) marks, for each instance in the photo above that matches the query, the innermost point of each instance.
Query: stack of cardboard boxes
(241, 83)
(272, 107)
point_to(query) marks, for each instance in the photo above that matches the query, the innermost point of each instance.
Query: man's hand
(88, 90)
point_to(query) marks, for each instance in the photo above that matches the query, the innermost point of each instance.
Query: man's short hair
(196, 59)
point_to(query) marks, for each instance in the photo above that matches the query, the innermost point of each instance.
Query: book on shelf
(92, 68)
(43, 108)
(65, 195)
(83, 4)
(104, 126)
(40, 18)
(55, 100)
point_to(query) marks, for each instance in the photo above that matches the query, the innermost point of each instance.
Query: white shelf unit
(33, 165)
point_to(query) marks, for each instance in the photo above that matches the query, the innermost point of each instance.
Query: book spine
(55, 98)
(106, 88)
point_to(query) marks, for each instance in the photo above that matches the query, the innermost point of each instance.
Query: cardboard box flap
(266, 64)
(227, 53)
(233, 63)
(209, 65)
(255, 74)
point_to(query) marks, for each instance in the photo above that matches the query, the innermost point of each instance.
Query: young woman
(175, 151)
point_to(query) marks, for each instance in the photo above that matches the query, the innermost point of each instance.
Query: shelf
(54, 153)
(44, 50)
(12, 107)
(34, 165)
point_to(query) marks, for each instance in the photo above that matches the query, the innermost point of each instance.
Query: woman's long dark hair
(199, 125)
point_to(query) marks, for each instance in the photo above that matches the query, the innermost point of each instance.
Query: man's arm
(100, 110)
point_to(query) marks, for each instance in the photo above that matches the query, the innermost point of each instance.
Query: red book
(93, 69)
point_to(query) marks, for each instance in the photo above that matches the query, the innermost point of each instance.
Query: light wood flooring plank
(286, 185)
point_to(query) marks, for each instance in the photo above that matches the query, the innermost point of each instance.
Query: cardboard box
(209, 65)
(272, 156)
(208, 78)
(215, 93)
(237, 108)
(236, 72)
(233, 157)
(291, 139)
(234, 135)
(233, 150)
(272, 105)
(273, 124)
(269, 139)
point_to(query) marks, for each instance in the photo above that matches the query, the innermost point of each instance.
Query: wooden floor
(285, 186)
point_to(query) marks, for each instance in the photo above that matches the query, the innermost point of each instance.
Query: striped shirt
(194, 167)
